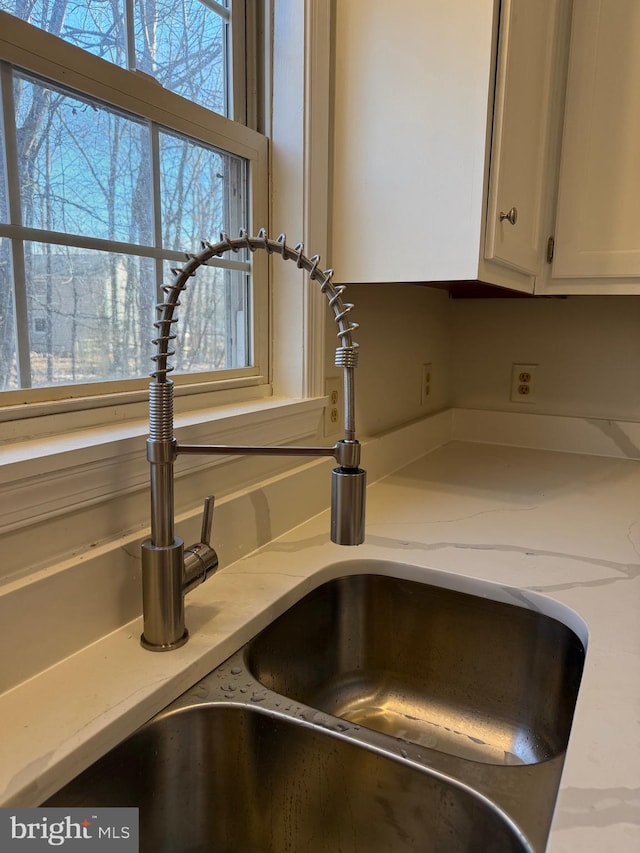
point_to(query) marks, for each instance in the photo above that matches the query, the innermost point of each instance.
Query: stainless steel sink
(376, 714)
(472, 677)
(225, 779)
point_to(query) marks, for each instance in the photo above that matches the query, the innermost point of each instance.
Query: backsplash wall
(587, 349)
(402, 327)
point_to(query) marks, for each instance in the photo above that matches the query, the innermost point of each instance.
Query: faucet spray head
(348, 488)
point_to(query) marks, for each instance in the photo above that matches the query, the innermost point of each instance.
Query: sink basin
(229, 779)
(376, 714)
(468, 676)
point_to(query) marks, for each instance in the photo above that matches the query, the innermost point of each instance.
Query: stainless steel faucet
(169, 570)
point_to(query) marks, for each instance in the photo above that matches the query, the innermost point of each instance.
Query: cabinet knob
(511, 217)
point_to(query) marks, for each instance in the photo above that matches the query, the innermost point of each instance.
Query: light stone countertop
(564, 525)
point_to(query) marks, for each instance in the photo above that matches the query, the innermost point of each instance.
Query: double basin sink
(376, 714)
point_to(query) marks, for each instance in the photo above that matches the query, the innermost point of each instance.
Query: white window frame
(36, 52)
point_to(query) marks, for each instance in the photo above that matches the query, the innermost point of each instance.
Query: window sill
(52, 417)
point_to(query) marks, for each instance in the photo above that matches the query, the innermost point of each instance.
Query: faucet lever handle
(200, 560)
(207, 519)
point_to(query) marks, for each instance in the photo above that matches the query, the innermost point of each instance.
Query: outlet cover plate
(523, 383)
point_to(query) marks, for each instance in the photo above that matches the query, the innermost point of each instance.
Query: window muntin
(66, 242)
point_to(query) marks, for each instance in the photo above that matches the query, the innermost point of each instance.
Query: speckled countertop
(564, 525)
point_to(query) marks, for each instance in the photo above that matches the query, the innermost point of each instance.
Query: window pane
(213, 319)
(90, 314)
(182, 43)
(8, 350)
(83, 169)
(4, 206)
(202, 193)
(94, 25)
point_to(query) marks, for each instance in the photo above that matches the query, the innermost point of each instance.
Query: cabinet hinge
(550, 247)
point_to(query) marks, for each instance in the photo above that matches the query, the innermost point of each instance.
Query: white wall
(587, 349)
(402, 327)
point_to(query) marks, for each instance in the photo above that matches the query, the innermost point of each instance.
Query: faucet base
(164, 647)
(163, 596)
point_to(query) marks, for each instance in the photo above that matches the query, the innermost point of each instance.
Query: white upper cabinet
(597, 233)
(418, 175)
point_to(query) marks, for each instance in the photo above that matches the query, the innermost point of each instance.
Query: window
(118, 156)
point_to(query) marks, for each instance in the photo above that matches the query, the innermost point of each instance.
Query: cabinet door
(520, 145)
(598, 215)
(412, 81)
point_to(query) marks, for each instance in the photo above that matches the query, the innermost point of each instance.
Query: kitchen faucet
(169, 570)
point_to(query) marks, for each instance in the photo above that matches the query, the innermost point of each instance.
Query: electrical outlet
(426, 386)
(333, 409)
(523, 383)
